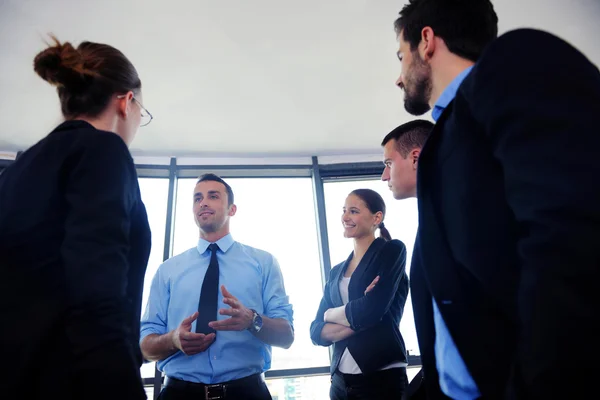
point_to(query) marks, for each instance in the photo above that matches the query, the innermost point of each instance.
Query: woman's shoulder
(83, 134)
(337, 268)
(393, 245)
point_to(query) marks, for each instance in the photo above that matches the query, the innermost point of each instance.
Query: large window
(155, 193)
(276, 215)
(401, 220)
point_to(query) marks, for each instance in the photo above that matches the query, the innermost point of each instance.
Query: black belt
(214, 391)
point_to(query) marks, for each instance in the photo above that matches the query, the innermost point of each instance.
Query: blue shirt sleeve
(276, 302)
(154, 319)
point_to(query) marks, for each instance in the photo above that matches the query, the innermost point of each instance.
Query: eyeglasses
(146, 116)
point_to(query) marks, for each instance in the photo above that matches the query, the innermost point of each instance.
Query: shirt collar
(224, 244)
(448, 94)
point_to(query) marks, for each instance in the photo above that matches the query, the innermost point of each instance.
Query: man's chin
(208, 228)
(399, 196)
(416, 108)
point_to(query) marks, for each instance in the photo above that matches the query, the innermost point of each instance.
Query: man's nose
(385, 176)
(399, 82)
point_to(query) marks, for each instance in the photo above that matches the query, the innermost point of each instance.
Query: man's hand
(189, 342)
(241, 317)
(372, 285)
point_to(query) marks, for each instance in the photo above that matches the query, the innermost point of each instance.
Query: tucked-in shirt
(253, 276)
(455, 380)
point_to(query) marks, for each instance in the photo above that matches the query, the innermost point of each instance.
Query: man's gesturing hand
(189, 342)
(241, 317)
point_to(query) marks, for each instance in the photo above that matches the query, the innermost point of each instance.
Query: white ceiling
(311, 77)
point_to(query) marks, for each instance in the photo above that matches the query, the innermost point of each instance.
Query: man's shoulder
(180, 259)
(255, 253)
(527, 45)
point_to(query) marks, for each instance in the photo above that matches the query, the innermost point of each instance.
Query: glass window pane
(155, 194)
(402, 222)
(276, 215)
(302, 387)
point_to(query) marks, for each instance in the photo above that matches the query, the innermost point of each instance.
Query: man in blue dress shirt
(226, 356)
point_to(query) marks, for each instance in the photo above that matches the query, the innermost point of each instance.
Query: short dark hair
(375, 204)
(466, 26)
(215, 178)
(86, 77)
(409, 136)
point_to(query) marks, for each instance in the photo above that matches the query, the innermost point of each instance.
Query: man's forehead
(400, 38)
(389, 148)
(209, 186)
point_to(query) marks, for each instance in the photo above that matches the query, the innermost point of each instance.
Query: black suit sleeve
(100, 198)
(368, 310)
(537, 100)
(317, 325)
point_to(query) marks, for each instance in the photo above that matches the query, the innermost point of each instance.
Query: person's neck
(361, 245)
(444, 71)
(213, 237)
(102, 122)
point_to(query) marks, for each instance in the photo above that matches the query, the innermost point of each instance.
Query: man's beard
(417, 89)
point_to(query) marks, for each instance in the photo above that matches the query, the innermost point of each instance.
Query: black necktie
(209, 296)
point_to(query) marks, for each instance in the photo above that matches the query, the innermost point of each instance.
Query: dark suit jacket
(74, 245)
(509, 223)
(376, 316)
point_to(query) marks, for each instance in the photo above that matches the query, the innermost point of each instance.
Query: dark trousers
(381, 385)
(253, 390)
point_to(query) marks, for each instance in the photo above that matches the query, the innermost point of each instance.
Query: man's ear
(414, 154)
(427, 46)
(232, 210)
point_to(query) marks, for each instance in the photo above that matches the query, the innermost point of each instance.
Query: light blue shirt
(251, 275)
(455, 380)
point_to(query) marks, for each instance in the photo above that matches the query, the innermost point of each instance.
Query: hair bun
(63, 65)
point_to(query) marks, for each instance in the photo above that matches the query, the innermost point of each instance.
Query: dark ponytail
(384, 233)
(375, 204)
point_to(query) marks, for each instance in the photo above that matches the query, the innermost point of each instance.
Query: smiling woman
(401, 220)
(362, 306)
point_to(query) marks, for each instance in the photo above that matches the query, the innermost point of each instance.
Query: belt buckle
(214, 392)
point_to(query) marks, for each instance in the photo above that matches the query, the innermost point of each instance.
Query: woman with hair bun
(74, 237)
(362, 306)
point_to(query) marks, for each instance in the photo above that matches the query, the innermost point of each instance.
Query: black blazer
(376, 316)
(74, 245)
(509, 223)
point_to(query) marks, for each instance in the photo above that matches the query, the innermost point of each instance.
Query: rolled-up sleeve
(275, 300)
(154, 319)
